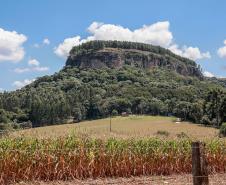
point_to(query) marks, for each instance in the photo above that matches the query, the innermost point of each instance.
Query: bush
(27, 124)
(223, 130)
(205, 120)
(15, 126)
(182, 135)
(163, 133)
(3, 116)
(5, 126)
(114, 112)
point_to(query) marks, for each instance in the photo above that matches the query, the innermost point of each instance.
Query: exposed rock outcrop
(115, 57)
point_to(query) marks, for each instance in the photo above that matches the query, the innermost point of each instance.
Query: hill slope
(93, 85)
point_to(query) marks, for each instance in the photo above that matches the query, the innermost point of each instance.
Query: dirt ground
(219, 179)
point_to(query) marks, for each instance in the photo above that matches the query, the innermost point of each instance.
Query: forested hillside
(106, 77)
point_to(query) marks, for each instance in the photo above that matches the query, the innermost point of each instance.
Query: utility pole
(110, 122)
(217, 109)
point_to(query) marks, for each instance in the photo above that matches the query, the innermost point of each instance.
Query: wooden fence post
(204, 166)
(199, 166)
(196, 164)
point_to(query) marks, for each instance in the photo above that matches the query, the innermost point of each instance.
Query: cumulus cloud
(40, 69)
(1, 90)
(11, 46)
(193, 53)
(33, 62)
(21, 70)
(64, 48)
(33, 65)
(20, 84)
(155, 34)
(222, 51)
(208, 74)
(46, 41)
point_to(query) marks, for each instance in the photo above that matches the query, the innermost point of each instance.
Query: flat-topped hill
(116, 54)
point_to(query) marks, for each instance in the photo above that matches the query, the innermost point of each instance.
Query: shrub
(26, 124)
(205, 120)
(182, 135)
(163, 133)
(223, 130)
(5, 126)
(114, 112)
(15, 125)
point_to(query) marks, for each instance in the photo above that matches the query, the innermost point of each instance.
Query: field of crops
(136, 145)
(125, 127)
(68, 158)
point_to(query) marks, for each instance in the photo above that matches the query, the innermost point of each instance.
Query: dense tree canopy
(95, 93)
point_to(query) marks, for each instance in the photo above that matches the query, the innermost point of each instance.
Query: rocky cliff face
(118, 57)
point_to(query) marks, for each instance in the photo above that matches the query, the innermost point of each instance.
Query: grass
(125, 127)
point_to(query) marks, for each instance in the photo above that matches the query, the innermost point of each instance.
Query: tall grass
(23, 159)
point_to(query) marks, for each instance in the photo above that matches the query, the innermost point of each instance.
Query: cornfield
(23, 159)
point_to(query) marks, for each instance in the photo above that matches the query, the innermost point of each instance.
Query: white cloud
(64, 48)
(1, 90)
(34, 65)
(193, 53)
(222, 51)
(156, 34)
(40, 69)
(21, 70)
(208, 74)
(46, 41)
(11, 48)
(33, 62)
(20, 84)
(34, 69)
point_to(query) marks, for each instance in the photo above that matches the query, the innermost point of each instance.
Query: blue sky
(192, 28)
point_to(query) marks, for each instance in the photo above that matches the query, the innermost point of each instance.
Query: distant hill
(221, 81)
(110, 77)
